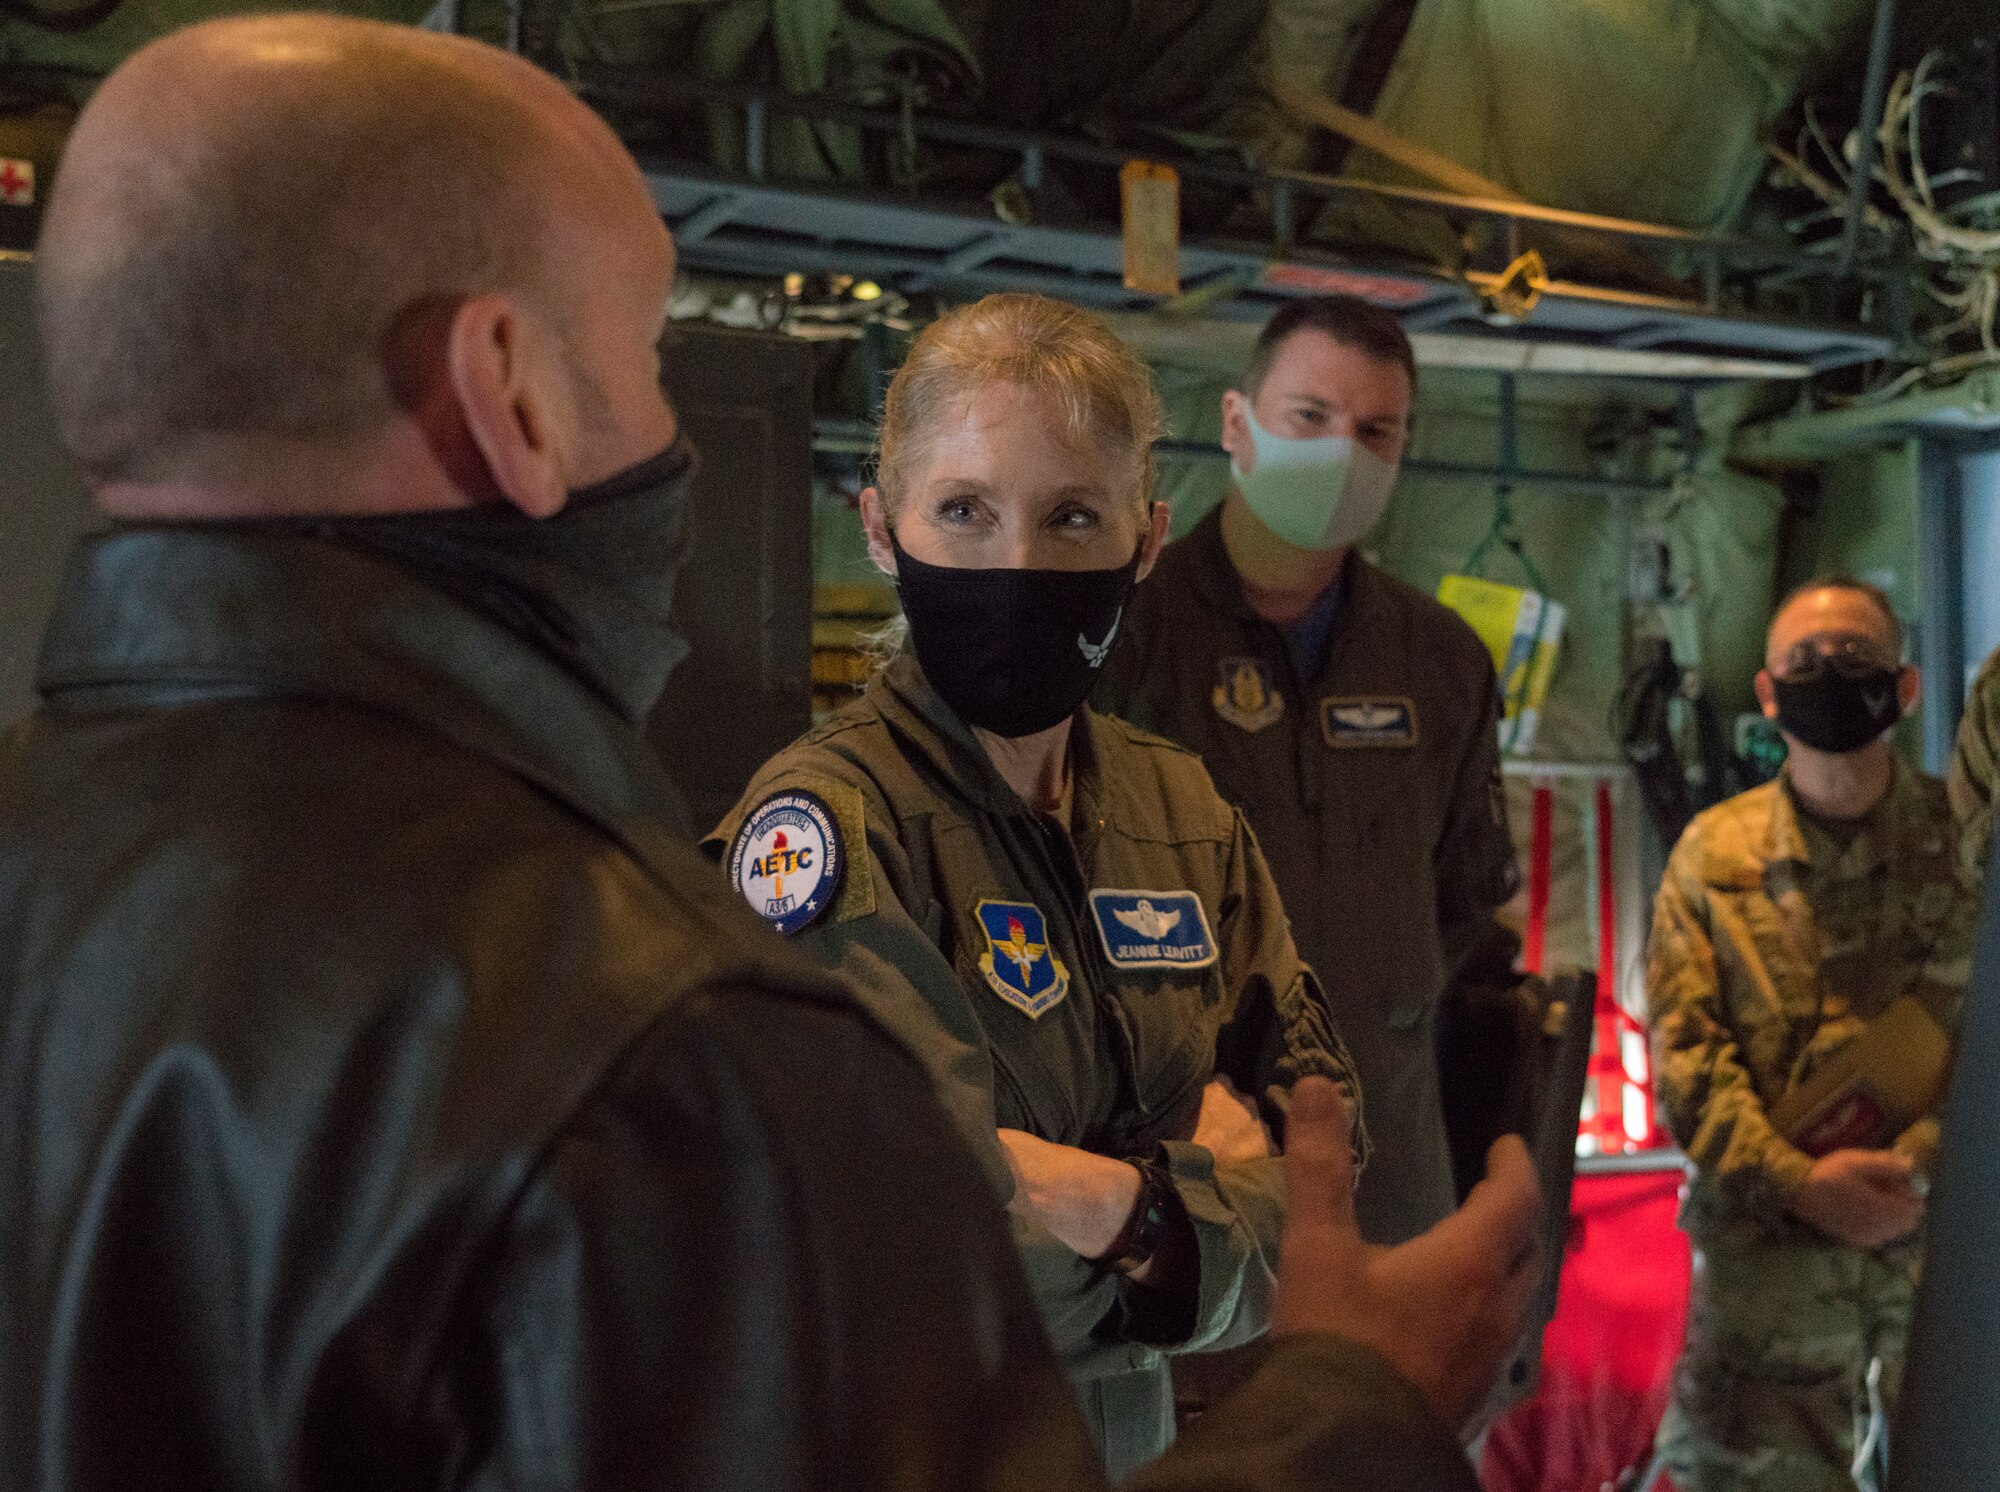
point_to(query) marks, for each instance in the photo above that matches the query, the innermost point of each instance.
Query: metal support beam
(1873, 87)
(975, 253)
(1940, 596)
(1510, 433)
(1470, 470)
(705, 219)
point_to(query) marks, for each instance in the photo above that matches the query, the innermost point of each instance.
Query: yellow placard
(1152, 202)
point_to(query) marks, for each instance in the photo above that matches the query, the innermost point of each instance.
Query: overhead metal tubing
(1941, 596)
(1478, 471)
(705, 219)
(857, 437)
(1510, 432)
(644, 86)
(1873, 90)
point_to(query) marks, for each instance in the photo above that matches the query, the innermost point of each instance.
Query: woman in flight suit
(1054, 909)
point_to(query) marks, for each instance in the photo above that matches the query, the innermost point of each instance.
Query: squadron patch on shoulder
(1368, 722)
(1244, 694)
(787, 859)
(1153, 929)
(1018, 962)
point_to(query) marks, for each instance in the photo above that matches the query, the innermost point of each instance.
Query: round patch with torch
(786, 860)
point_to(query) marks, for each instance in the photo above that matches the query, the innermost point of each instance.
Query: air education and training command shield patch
(787, 859)
(1244, 695)
(1153, 929)
(1018, 962)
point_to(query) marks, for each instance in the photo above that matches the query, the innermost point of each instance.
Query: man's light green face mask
(1322, 492)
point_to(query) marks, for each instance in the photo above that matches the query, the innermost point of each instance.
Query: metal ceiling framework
(750, 223)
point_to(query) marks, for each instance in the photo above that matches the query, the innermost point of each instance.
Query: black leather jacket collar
(173, 613)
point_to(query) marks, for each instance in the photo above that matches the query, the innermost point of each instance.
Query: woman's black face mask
(1012, 651)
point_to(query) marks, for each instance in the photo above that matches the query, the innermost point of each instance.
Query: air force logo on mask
(786, 860)
(1153, 929)
(1094, 653)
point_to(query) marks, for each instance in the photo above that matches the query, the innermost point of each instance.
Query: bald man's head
(251, 212)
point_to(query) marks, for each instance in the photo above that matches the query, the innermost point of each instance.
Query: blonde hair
(1102, 388)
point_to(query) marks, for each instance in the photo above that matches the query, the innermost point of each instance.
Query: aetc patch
(1018, 962)
(787, 859)
(1153, 929)
(1244, 694)
(1368, 722)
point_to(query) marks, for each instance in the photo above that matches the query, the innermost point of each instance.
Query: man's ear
(1236, 428)
(1909, 685)
(508, 402)
(875, 524)
(1161, 518)
(1767, 693)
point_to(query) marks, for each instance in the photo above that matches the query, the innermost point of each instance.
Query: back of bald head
(247, 212)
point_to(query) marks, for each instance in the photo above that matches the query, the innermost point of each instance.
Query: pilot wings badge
(1368, 722)
(1147, 920)
(1153, 929)
(1018, 962)
(1243, 694)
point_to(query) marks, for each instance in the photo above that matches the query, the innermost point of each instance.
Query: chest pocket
(1380, 818)
(1767, 974)
(1031, 997)
(1165, 976)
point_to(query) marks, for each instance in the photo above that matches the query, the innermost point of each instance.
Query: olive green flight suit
(1970, 778)
(931, 837)
(1375, 791)
(1773, 945)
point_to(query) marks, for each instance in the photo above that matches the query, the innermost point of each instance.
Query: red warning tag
(17, 182)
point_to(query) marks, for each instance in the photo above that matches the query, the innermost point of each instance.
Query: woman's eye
(957, 510)
(1076, 520)
(1312, 417)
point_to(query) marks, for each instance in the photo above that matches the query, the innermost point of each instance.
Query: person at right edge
(1969, 782)
(1797, 924)
(1352, 719)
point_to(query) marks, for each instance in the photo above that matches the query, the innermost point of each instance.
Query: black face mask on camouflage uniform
(1835, 713)
(1012, 651)
(1836, 692)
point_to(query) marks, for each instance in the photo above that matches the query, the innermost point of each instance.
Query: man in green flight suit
(1351, 717)
(1791, 918)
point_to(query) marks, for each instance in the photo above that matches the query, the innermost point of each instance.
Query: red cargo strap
(1541, 850)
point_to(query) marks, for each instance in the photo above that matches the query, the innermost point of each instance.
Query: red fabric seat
(1608, 1357)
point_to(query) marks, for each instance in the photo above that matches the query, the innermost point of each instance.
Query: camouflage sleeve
(1711, 1104)
(1970, 778)
(1942, 981)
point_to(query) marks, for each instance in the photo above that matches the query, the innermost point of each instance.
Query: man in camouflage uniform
(1970, 780)
(1789, 918)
